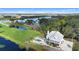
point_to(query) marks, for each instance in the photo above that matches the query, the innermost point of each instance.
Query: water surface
(7, 45)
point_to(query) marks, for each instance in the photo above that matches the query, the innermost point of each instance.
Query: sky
(39, 10)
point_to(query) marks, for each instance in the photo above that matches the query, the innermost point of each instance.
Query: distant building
(54, 37)
(20, 21)
(34, 20)
(46, 17)
(5, 21)
(23, 17)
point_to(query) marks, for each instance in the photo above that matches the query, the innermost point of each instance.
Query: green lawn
(18, 36)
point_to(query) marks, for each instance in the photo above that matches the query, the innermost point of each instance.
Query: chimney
(47, 32)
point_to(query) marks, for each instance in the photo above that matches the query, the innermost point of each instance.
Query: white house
(20, 21)
(55, 37)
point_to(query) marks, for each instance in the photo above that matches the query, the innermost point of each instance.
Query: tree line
(67, 25)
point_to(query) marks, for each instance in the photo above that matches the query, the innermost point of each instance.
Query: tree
(29, 22)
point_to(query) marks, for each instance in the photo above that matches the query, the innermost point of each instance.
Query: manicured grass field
(18, 36)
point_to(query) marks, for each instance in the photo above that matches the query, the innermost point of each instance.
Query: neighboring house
(35, 20)
(55, 37)
(23, 17)
(46, 17)
(20, 21)
(5, 21)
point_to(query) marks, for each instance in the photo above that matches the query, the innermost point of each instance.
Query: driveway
(67, 46)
